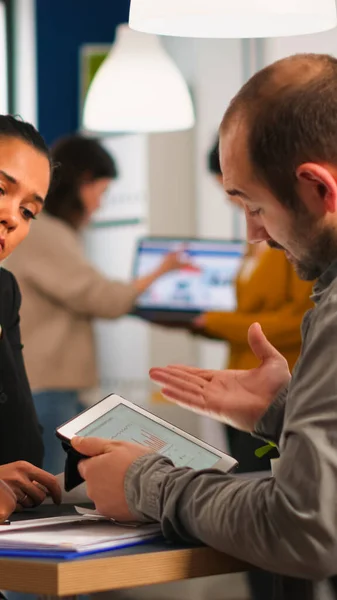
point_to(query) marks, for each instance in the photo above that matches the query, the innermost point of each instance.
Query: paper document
(79, 534)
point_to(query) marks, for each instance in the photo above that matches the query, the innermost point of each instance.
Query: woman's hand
(172, 262)
(29, 484)
(199, 322)
(7, 501)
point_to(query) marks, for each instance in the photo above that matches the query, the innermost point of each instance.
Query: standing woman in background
(63, 293)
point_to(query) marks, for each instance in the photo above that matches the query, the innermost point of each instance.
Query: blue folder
(62, 554)
(71, 555)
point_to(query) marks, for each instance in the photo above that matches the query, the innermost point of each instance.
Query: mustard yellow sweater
(274, 296)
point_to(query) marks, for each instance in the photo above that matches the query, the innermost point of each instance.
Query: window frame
(9, 10)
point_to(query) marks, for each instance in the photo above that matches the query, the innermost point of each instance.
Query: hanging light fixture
(138, 88)
(232, 18)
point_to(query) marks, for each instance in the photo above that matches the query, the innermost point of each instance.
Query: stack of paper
(68, 537)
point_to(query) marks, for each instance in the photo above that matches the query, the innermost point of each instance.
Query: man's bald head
(292, 72)
(289, 112)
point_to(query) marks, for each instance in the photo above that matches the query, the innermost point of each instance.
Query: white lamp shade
(232, 18)
(138, 88)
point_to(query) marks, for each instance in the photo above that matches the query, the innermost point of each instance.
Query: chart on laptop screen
(205, 284)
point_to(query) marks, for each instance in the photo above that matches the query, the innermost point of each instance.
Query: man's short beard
(306, 271)
(321, 246)
(321, 253)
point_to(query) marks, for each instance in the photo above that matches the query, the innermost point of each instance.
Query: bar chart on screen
(175, 451)
(151, 441)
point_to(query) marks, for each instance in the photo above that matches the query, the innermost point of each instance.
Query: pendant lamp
(232, 18)
(138, 88)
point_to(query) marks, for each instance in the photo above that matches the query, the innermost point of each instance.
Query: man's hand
(30, 484)
(105, 473)
(238, 398)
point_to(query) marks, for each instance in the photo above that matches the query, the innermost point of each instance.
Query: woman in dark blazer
(20, 434)
(25, 171)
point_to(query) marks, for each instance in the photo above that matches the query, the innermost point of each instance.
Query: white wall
(276, 48)
(122, 345)
(214, 71)
(219, 76)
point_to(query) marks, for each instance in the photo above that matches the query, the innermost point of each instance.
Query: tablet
(205, 285)
(115, 418)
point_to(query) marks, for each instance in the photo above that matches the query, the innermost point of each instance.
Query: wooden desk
(131, 567)
(158, 562)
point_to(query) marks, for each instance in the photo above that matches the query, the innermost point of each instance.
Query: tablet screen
(124, 423)
(206, 284)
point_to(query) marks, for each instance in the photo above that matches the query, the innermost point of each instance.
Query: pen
(126, 524)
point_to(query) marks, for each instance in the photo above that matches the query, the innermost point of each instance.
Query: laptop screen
(207, 282)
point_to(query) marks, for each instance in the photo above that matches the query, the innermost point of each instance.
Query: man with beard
(278, 151)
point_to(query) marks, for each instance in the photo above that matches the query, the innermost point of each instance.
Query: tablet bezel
(71, 428)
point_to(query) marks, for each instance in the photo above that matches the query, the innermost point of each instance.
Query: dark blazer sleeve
(20, 433)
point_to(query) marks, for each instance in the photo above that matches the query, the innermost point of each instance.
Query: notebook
(69, 537)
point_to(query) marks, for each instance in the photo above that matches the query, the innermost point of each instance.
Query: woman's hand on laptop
(30, 484)
(199, 327)
(238, 398)
(199, 322)
(173, 261)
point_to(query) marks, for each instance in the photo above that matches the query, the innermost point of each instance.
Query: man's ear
(318, 186)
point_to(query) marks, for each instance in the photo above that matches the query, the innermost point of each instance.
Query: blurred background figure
(62, 292)
(268, 291)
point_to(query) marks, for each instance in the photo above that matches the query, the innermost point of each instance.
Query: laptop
(205, 285)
